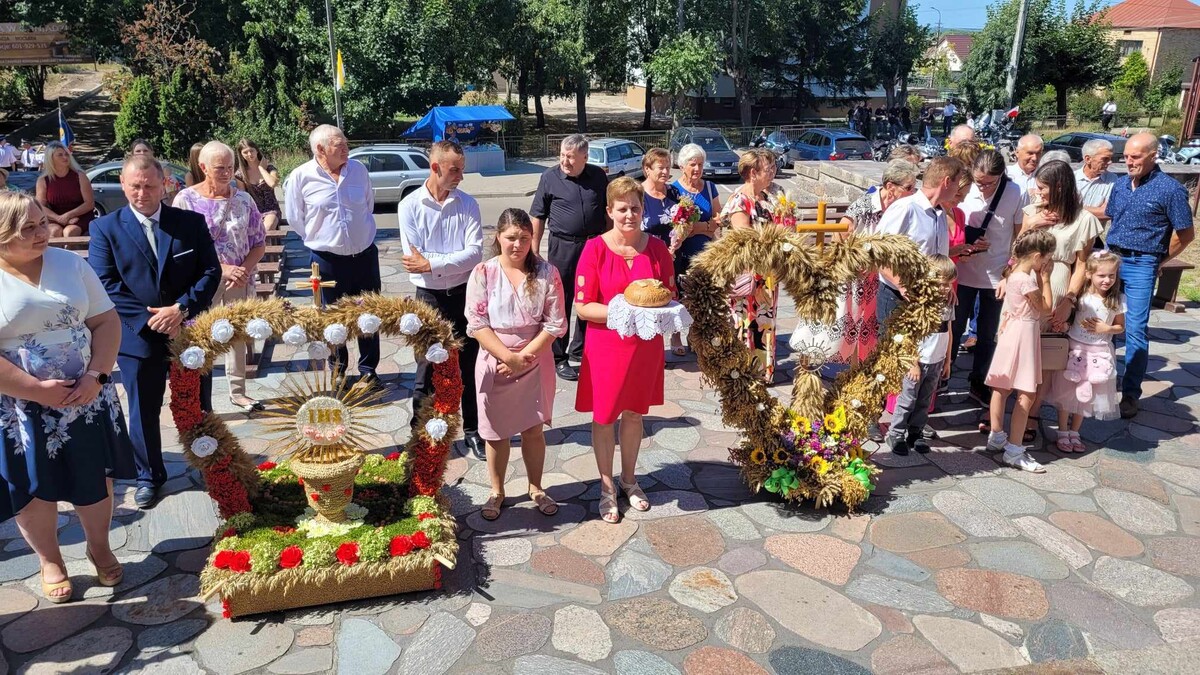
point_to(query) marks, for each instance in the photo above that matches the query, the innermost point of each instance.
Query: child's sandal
(1077, 443)
(1064, 442)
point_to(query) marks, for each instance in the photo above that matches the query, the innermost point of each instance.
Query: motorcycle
(1190, 153)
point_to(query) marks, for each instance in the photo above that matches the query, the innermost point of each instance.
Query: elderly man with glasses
(1093, 180)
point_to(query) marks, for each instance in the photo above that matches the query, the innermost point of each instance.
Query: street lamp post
(337, 97)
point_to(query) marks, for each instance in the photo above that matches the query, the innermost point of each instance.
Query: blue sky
(960, 13)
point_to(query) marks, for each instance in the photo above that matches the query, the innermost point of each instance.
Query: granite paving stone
(313, 636)
(802, 661)
(656, 622)
(1138, 584)
(741, 560)
(968, 646)
(733, 524)
(17, 565)
(973, 516)
(72, 544)
(178, 522)
(809, 609)
(1056, 640)
(722, 482)
(512, 636)
(305, 661)
(1183, 476)
(703, 588)
(908, 654)
(523, 519)
(168, 635)
(502, 551)
(669, 503)
(959, 462)
(580, 631)
(1008, 629)
(437, 645)
(1178, 624)
(631, 574)
(1178, 555)
(746, 629)
(720, 661)
(893, 619)
(562, 563)
(1059, 477)
(1055, 541)
(851, 527)
(540, 664)
(1073, 502)
(477, 614)
(1189, 514)
(1129, 477)
(633, 662)
(14, 603)
(159, 602)
(1101, 616)
(685, 541)
(908, 532)
(818, 555)
(138, 568)
(872, 588)
(1001, 594)
(403, 620)
(97, 650)
(530, 591)
(595, 537)
(166, 663)
(1018, 557)
(232, 647)
(897, 567)
(1099, 534)
(1005, 496)
(940, 558)
(49, 624)
(1135, 512)
(785, 519)
(886, 505)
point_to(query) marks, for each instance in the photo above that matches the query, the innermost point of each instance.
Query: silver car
(106, 185)
(720, 158)
(395, 169)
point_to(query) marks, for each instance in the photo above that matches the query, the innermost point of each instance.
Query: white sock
(1011, 450)
(997, 439)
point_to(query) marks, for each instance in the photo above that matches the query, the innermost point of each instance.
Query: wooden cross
(820, 228)
(314, 284)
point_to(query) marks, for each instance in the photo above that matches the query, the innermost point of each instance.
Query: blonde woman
(65, 193)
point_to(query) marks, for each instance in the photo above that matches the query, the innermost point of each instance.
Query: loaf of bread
(647, 293)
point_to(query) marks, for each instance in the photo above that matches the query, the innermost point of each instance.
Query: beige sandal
(609, 512)
(637, 498)
(543, 502)
(110, 576)
(48, 590)
(491, 508)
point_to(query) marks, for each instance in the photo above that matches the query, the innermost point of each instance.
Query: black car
(1073, 143)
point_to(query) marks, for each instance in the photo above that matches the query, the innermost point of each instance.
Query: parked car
(720, 158)
(616, 156)
(395, 169)
(832, 144)
(1072, 144)
(106, 185)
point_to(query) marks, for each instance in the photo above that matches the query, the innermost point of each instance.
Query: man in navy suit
(159, 266)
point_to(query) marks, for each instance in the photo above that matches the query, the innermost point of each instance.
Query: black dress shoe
(921, 446)
(1128, 407)
(475, 445)
(566, 372)
(145, 497)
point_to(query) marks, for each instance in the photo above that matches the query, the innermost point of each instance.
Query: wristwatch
(102, 378)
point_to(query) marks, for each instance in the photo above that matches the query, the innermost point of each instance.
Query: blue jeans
(886, 302)
(1139, 271)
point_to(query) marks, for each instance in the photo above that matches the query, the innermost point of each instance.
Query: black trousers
(452, 305)
(564, 255)
(985, 328)
(145, 382)
(354, 274)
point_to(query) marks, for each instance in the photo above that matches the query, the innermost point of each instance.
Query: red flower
(267, 466)
(348, 491)
(290, 557)
(229, 532)
(420, 539)
(393, 456)
(221, 561)
(185, 398)
(284, 529)
(226, 490)
(437, 577)
(300, 481)
(240, 562)
(347, 553)
(326, 487)
(426, 516)
(316, 496)
(401, 545)
(225, 613)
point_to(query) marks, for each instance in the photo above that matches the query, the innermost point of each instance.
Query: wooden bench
(273, 253)
(71, 243)
(268, 272)
(1166, 294)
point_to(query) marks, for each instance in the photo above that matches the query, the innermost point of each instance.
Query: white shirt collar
(427, 197)
(142, 220)
(921, 200)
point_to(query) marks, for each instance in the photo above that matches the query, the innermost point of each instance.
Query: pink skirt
(510, 405)
(1104, 403)
(1017, 363)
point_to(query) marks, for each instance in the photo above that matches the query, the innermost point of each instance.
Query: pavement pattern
(955, 565)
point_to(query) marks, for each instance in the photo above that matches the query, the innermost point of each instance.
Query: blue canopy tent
(460, 123)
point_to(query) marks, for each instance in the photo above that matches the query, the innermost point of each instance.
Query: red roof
(1154, 14)
(961, 44)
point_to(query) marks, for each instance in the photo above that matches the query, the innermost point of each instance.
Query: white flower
(664, 218)
(369, 323)
(734, 374)
(787, 247)
(855, 403)
(355, 511)
(222, 331)
(192, 358)
(436, 353)
(204, 446)
(318, 351)
(410, 324)
(867, 248)
(880, 378)
(716, 342)
(335, 334)
(295, 336)
(436, 428)
(760, 407)
(258, 329)
(897, 338)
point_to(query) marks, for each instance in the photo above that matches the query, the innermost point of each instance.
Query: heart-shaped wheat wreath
(811, 449)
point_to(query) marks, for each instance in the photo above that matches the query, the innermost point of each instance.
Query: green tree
(896, 43)
(1163, 93)
(680, 64)
(139, 115)
(186, 113)
(1134, 76)
(655, 26)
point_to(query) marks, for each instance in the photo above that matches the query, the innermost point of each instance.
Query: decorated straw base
(370, 580)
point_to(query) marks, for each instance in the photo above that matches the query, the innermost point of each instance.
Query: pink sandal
(1064, 442)
(1077, 443)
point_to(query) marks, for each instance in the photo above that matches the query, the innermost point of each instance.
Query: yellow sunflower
(835, 422)
(819, 465)
(758, 456)
(780, 457)
(800, 424)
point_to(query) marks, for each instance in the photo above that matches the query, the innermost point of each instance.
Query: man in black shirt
(569, 202)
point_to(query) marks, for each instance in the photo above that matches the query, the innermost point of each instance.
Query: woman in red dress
(64, 193)
(619, 377)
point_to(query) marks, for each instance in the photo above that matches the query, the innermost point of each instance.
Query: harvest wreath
(811, 448)
(330, 523)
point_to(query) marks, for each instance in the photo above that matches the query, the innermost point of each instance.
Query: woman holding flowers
(703, 194)
(754, 299)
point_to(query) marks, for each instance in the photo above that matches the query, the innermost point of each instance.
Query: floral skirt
(62, 454)
(754, 319)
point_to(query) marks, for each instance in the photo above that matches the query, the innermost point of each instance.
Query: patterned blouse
(866, 211)
(235, 224)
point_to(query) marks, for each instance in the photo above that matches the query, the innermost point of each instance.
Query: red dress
(619, 374)
(64, 194)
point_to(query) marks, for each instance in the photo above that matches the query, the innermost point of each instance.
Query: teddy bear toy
(1087, 368)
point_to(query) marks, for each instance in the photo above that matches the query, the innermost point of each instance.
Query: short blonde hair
(754, 158)
(14, 209)
(655, 155)
(941, 168)
(623, 187)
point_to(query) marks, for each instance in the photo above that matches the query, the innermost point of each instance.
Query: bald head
(1029, 151)
(1141, 154)
(962, 133)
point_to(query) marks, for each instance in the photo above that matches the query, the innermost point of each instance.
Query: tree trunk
(538, 112)
(539, 88)
(649, 103)
(523, 89)
(1060, 103)
(581, 92)
(35, 83)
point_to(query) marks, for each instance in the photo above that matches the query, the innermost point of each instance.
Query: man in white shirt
(1093, 180)
(8, 154)
(442, 238)
(948, 113)
(1029, 153)
(328, 202)
(1107, 112)
(29, 159)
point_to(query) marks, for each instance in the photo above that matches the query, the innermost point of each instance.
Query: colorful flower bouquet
(811, 451)
(784, 209)
(684, 215)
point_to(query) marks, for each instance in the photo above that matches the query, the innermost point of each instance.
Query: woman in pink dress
(515, 309)
(619, 377)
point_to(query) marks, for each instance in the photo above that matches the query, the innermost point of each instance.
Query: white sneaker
(1023, 462)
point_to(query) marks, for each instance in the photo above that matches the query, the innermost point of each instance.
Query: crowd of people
(1021, 252)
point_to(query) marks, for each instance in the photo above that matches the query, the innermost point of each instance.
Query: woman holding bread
(620, 377)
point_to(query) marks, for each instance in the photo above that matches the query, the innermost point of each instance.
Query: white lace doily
(647, 322)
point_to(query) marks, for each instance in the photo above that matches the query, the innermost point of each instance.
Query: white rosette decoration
(222, 331)
(318, 351)
(204, 446)
(436, 428)
(258, 329)
(335, 334)
(369, 323)
(436, 353)
(192, 358)
(410, 324)
(295, 336)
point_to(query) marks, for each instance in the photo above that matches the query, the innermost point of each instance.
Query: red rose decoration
(225, 613)
(229, 532)
(426, 516)
(420, 540)
(347, 553)
(240, 562)
(283, 529)
(326, 487)
(290, 557)
(393, 456)
(221, 561)
(300, 481)
(401, 545)
(267, 466)
(316, 496)
(437, 577)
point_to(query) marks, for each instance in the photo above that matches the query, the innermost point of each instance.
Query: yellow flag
(341, 72)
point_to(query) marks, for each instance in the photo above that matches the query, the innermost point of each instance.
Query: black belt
(943, 327)
(1121, 250)
(572, 237)
(338, 256)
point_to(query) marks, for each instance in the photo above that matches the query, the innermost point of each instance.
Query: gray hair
(962, 132)
(212, 150)
(574, 143)
(899, 171)
(905, 152)
(1031, 141)
(1096, 146)
(322, 135)
(689, 152)
(48, 164)
(1055, 156)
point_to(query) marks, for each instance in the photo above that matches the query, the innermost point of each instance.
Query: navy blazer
(188, 271)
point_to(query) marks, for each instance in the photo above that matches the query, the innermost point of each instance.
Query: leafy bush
(477, 97)
(915, 102)
(12, 90)
(117, 83)
(1039, 104)
(187, 110)
(1086, 106)
(139, 116)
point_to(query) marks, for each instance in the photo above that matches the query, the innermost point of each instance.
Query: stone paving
(955, 565)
